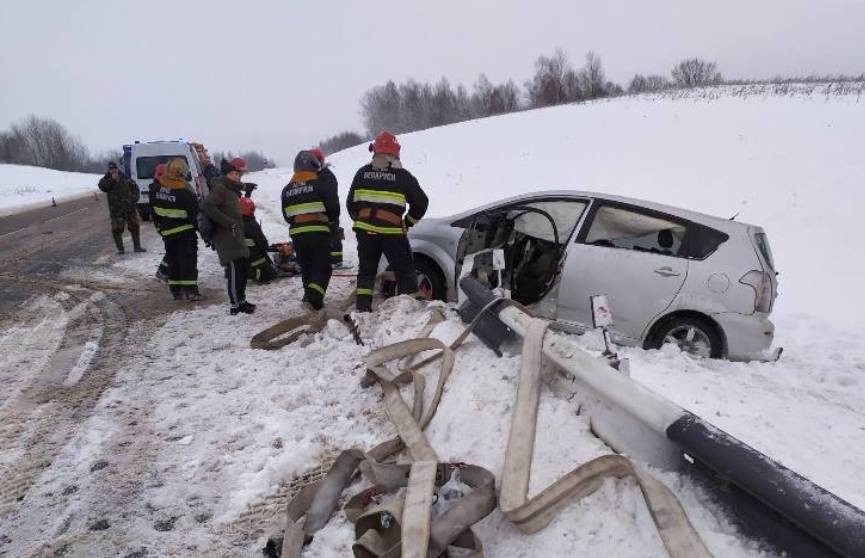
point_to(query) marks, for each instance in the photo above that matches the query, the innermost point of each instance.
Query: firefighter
(310, 205)
(162, 269)
(175, 207)
(379, 195)
(260, 265)
(222, 206)
(338, 233)
(122, 199)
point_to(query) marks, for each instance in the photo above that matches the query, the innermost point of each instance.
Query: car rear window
(145, 166)
(763, 246)
(703, 241)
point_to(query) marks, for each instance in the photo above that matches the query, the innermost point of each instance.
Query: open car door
(532, 235)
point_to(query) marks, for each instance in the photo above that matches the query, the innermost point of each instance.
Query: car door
(630, 254)
(550, 218)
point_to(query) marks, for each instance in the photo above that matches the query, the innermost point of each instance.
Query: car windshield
(146, 166)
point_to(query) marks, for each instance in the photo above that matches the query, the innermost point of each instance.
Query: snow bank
(23, 187)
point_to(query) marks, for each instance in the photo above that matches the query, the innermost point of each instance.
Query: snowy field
(224, 426)
(23, 187)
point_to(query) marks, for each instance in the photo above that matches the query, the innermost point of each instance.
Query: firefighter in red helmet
(384, 201)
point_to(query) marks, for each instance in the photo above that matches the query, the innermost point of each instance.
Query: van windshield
(145, 166)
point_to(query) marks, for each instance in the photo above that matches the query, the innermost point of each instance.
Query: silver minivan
(675, 276)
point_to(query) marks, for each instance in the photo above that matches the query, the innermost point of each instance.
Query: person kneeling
(261, 267)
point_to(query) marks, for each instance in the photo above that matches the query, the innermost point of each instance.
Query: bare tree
(44, 142)
(489, 99)
(695, 71)
(642, 84)
(381, 109)
(340, 141)
(549, 84)
(592, 78)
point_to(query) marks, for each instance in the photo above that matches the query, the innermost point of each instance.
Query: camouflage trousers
(119, 222)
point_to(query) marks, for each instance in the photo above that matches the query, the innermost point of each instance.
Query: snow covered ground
(23, 187)
(223, 426)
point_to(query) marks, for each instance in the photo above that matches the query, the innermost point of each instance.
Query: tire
(693, 335)
(430, 281)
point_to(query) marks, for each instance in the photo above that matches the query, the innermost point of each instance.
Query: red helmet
(159, 170)
(385, 142)
(318, 154)
(238, 164)
(247, 206)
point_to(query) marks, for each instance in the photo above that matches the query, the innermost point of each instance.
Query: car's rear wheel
(693, 335)
(429, 280)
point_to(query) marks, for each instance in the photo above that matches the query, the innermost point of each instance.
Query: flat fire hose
(412, 533)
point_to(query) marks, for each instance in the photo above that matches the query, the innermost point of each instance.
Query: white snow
(226, 425)
(24, 187)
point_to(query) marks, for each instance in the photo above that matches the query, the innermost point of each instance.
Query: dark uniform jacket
(174, 209)
(223, 208)
(255, 241)
(122, 194)
(310, 202)
(379, 196)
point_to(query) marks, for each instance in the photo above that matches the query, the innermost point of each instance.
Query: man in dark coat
(122, 199)
(380, 194)
(311, 208)
(222, 206)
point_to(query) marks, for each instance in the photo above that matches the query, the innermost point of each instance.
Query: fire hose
(413, 531)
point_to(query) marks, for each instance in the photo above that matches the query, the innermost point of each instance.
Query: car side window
(631, 229)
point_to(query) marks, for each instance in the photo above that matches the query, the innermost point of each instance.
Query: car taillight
(761, 282)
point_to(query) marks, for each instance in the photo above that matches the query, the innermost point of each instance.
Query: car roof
(720, 223)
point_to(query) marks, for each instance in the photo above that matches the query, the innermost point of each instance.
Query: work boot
(118, 241)
(247, 307)
(136, 240)
(193, 296)
(178, 295)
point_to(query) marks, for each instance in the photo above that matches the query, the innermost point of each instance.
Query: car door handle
(667, 272)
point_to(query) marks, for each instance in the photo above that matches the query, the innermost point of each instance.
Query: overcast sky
(277, 75)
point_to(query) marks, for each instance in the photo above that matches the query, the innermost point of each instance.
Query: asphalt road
(39, 244)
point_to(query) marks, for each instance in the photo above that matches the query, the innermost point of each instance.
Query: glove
(248, 187)
(235, 229)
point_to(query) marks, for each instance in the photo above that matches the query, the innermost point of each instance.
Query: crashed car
(671, 275)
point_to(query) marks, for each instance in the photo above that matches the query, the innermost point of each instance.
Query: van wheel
(691, 334)
(429, 280)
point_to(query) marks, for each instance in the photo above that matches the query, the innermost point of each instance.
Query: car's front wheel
(693, 335)
(429, 280)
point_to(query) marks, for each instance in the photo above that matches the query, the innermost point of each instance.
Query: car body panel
(643, 287)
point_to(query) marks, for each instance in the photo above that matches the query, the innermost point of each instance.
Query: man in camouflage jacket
(122, 199)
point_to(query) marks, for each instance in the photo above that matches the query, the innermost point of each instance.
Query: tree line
(410, 106)
(44, 142)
